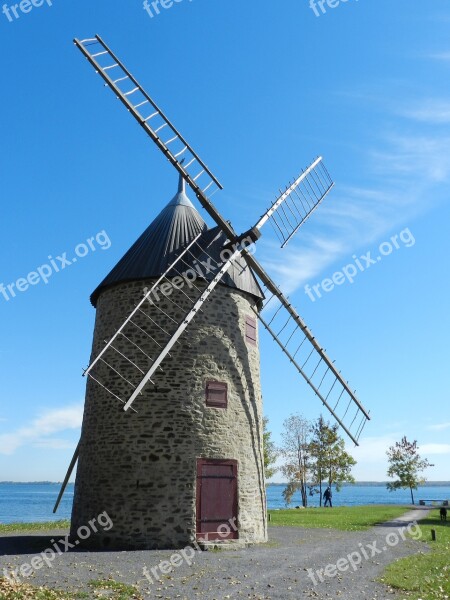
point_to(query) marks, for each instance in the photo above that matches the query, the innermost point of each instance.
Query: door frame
(234, 531)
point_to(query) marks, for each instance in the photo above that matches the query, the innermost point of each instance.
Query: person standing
(327, 495)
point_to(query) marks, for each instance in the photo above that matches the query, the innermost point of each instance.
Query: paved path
(278, 570)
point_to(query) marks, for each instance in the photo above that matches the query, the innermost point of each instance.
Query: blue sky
(259, 88)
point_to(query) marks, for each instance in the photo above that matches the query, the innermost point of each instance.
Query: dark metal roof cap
(157, 248)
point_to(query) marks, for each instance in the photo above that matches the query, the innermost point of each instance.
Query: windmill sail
(298, 201)
(302, 349)
(152, 119)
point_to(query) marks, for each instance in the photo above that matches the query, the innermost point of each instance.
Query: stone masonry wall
(141, 468)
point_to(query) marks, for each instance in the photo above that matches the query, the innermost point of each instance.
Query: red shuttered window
(250, 330)
(216, 394)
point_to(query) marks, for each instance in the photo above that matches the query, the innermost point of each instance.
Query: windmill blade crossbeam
(149, 116)
(298, 201)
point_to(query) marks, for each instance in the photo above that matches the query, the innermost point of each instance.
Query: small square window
(250, 330)
(216, 394)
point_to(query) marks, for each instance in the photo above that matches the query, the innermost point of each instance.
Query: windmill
(171, 443)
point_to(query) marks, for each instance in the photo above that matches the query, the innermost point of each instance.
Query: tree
(295, 449)
(330, 462)
(270, 451)
(406, 464)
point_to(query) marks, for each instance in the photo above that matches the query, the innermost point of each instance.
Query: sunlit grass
(47, 526)
(116, 590)
(426, 575)
(347, 518)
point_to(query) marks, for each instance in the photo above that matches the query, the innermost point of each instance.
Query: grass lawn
(19, 527)
(425, 575)
(348, 518)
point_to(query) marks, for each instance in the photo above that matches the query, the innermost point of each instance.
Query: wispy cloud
(352, 220)
(439, 426)
(54, 444)
(426, 158)
(39, 431)
(429, 111)
(431, 449)
(444, 56)
(372, 461)
(373, 449)
(298, 265)
(404, 171)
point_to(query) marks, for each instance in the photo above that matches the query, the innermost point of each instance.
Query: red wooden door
(217, 499)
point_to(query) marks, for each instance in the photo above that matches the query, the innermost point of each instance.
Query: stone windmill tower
(171, 444)
(202, 419)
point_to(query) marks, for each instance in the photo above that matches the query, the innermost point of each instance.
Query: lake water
(31, 502)
(25, 502)
(354, 495)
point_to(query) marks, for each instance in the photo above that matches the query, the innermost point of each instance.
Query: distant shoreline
(358, 483)
(378, 483)
(33, 482)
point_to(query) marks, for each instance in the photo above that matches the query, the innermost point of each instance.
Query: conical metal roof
(156, 249)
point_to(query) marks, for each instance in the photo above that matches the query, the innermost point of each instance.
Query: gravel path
(278, 570)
